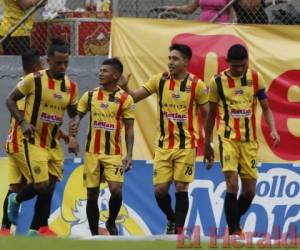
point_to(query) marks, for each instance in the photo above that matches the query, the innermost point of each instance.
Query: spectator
(209, 9)
(13, 12)
(254, 11)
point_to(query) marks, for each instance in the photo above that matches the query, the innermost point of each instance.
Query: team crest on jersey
(104, 105)
(239, 92)
(175, 95)
(57, 96)
(37, 170)
(132, 107)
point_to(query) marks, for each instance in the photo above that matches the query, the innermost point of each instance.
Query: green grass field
(26, 243)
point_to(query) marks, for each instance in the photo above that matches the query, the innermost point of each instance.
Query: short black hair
(115, 63)
(185, 50)
(237, 52)
(29, 59)
(58, 45)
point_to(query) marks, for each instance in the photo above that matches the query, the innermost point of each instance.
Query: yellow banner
(142, 45)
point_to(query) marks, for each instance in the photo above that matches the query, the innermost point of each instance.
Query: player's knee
(249, 194)
(232, 187)
(116, 191)
(161, 191)
(181, 186)
(93, 193)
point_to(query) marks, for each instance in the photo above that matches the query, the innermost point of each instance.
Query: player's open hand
(276, 138)
(123, 81)
(64, 136)
(208, 155)
(127, 163)
(73, 146)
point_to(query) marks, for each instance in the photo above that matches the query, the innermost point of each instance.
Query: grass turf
(38, 243)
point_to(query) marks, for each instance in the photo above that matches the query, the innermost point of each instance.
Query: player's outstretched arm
(208, 154)
(137, 95)
(129, 139)
(270, 121)
(11, 103)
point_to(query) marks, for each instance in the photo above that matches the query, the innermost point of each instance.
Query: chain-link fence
(85, 24)
(246, 11)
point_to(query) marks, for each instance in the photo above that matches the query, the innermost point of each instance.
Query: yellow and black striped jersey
(107, 112)
(46, 102)
(177, 109)
(237, 101)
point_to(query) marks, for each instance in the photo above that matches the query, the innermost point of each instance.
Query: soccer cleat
(32, 233)
(46, 232)
(13, 209)
(170, 228)
(239, 232)
(112, 228)
(4, 232)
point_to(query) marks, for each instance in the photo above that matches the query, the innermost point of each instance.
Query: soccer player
(17, 168)
(234, 93)
(110, 108)
(48, 93)
(179, 97)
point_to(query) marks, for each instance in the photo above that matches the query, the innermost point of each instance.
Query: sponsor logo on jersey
(104, 125)
(51, 118)
(240, 113)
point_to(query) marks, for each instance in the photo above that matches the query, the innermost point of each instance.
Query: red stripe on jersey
(231, 82)
(118, 127)
(255, 82)
(100, 95)
(44, 134)
(237, 128)
(190, 112)
(72, 89)
(15, 138)
(171, 135)
(255, 90)
(51, 83)
(172, 84)
(97, 142)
